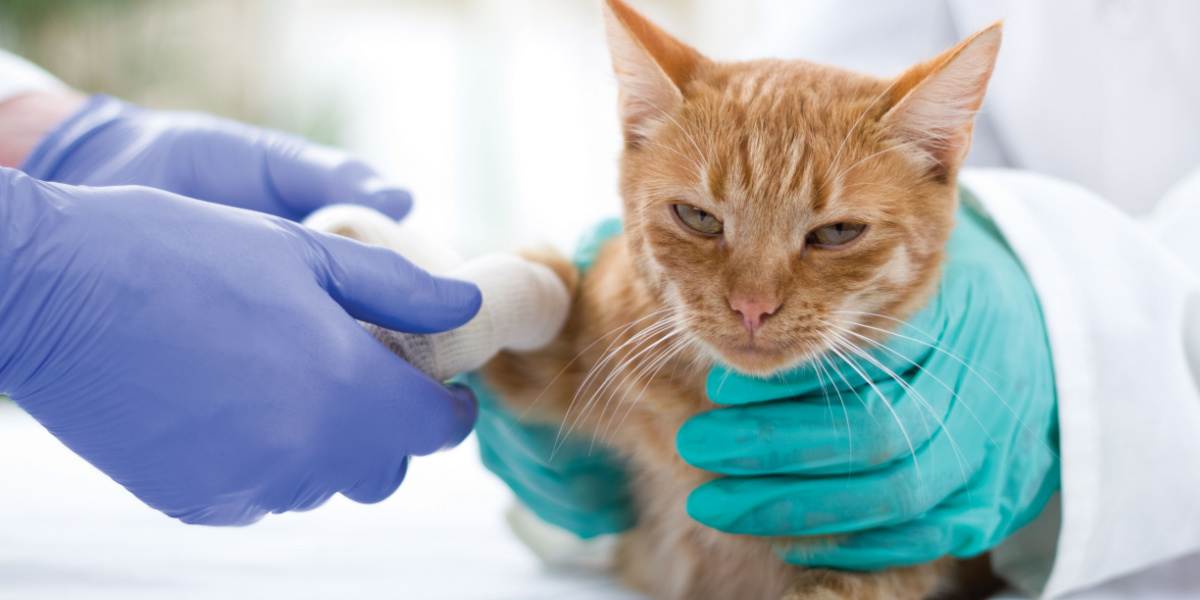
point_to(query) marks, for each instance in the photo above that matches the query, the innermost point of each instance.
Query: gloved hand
(108, 142)
(208, 359)
(943, 442)
(578, 486)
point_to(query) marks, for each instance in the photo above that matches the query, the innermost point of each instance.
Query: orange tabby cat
(760, 198)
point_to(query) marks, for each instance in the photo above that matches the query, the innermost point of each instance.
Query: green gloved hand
(941, 442)
(576, 486)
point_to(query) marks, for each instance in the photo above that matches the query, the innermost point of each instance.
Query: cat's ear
(935, 102)
(652, 68)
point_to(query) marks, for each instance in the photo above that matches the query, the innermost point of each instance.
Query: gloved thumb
(308, 177)
(379, 286)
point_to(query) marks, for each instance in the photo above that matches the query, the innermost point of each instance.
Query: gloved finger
(379, 286)
(904, 545)
(591, 488)
(307, 177)
(963, 526)
(587, 504)
(792, 506)
(381, 485)
(394, 410)
(533, 443)
(227, 514)
(840, 433)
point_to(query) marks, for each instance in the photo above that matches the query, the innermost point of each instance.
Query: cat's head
(770, 201)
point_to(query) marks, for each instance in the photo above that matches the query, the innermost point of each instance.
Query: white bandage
(524, 303)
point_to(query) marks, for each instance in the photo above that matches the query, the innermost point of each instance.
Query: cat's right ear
(652, 68)
(936, 101)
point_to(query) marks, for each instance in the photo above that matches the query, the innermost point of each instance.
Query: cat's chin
(757, 359)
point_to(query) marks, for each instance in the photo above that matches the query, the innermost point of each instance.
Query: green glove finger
(964, 526)
(903, 545)
(585, 503)
(565, 482)
(786, 505)
(813, 437)
(836, 432)
(586, 485)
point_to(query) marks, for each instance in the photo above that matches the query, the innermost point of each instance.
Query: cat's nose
(754, 310)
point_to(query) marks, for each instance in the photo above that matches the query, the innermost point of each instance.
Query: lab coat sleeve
(1116, 303)
(19, 76)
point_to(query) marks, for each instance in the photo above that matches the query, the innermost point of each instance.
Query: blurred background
(498, 114)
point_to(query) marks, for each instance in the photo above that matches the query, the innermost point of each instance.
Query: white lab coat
(1105, 96)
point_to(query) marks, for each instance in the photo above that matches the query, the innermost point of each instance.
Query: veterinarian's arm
(105, 142)
(208, 359)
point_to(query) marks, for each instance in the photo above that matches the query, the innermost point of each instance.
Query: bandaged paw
(524, 303)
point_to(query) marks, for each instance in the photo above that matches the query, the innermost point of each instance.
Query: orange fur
(775, 150)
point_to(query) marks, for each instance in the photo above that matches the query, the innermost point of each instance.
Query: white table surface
(67, 531)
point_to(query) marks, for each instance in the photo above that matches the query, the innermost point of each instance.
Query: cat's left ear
(652, 68)
(934, 103)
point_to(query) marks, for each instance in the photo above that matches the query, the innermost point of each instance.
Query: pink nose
(754, 311)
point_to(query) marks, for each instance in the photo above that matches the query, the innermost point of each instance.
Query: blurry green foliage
(25, 17)
(183, 54)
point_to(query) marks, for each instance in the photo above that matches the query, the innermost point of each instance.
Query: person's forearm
(26, 119)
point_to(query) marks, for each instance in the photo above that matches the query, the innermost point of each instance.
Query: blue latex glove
(974, 460)
(208, 359)
(108, 142)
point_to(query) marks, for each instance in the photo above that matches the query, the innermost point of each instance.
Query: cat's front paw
(555, 261)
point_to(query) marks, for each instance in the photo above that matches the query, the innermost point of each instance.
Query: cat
(761, 199)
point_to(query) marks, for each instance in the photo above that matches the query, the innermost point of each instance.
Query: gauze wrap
(524, 303)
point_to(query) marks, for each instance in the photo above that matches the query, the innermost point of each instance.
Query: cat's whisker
(937, 348)
(599, 394)
(822, 374)
(678, 347)
(609, 355)
(894, 147)
(929, 343)
(833, 367)
(850, 132)
(873, 185)
(917, 396)
(602, 368)
(942, 383)
(614, 331)
(690, 138)
(636, 340)
(912, 449)
(620, 376)
(630, 377)
(695, 161)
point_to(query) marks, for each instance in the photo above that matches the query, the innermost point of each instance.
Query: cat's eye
(698, 220)
(835, 235)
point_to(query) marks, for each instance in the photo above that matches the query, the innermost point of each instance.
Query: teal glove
(578, 487)
(943, 442)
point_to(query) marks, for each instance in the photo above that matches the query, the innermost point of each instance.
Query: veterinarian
(163, 315)
(1099, 104)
